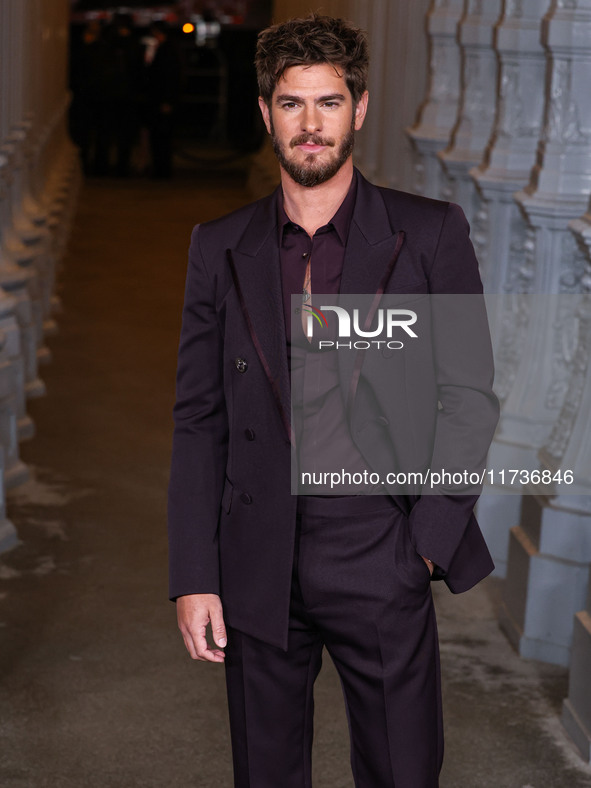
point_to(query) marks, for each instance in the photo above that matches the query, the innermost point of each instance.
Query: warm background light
(188, 28)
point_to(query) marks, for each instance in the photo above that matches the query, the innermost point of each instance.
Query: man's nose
(311, 120)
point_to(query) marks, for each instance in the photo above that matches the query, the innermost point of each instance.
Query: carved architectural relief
(576, 349)
(564, 122)
(558, 192)
(546, 383)
(513, 307)
(517, 129)
(480, 232)
(477, 106)
(553, 451)
(569, 448)
(514, 9)
(438, 112)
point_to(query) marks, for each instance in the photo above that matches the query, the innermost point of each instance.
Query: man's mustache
(315, 139)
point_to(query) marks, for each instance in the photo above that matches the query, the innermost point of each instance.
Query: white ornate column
(506, 247)
(57, 164)
(29, 218)
(568, 446)
(576, 709)
(512, 154)
(550, 549)
(14, 282)
(12, 469)
(557, 193)
(8, 535)
(12, 279)
(21, 245)
(14, 254)
(18, 279)
(439, 110)
(38, 182)
(476, 117)
(563, 545)
(11, 383)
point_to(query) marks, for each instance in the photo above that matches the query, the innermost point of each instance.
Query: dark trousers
(359, 589)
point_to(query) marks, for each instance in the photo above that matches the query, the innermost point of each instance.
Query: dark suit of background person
(162, 78)
(86, 66)
(106, 69)
(232, 517)
(126, 53)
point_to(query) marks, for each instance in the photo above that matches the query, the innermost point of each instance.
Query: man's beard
(310, 173)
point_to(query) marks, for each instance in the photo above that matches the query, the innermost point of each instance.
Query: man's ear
(361, 110)
(266, 113)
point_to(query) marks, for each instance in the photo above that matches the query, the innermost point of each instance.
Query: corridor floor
(96, 690)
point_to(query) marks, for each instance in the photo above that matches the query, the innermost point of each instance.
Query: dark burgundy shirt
(327, 249)
(322, 435)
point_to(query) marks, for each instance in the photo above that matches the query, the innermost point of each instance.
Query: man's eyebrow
(332, 97)
(287, 97)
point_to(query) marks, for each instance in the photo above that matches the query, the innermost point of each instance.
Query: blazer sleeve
(200, 440)
(468, 409)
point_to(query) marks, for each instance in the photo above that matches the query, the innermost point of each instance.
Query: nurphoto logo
(389, 323)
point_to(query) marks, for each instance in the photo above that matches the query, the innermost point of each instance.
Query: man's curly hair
(310, 41)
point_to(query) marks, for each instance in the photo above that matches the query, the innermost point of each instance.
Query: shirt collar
(341, 221)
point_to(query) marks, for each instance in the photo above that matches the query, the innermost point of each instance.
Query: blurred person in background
(161, 89)
(127, 55)
(85, 68)
(106, 71)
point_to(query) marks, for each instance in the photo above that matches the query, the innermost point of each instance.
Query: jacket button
(241, 364)
(246, 498)
(249, 434)
(383, 421)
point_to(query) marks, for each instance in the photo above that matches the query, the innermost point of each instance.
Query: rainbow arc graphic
(317, 314)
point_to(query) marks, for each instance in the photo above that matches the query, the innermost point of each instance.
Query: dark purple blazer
(231, 512)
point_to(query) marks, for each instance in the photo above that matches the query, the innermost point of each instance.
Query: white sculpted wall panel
(507, 244)
(546, 416)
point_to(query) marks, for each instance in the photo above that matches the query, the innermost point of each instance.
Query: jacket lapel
(372, 250)
(370, 243)
(256, 272)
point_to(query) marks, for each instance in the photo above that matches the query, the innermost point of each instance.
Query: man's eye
(289, 105)
(331, 104)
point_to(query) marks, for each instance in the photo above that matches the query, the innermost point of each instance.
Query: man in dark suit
(279, 576)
